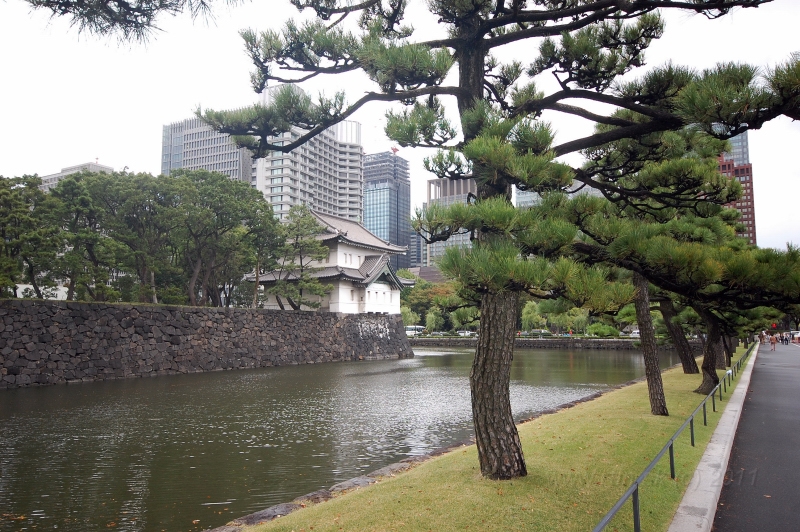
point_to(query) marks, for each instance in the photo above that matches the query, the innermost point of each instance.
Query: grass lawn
(580, 461)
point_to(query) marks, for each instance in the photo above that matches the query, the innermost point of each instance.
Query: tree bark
(153, 286)
(70, 288)
(727, 344)
(499, 447)
(720, 352)
(655, 387)
(32, 277)
(710, 377)
(678, 338)
(255, 289)
(193, 282)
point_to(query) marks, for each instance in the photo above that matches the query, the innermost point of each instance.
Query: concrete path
(761, 491)
(699, 503)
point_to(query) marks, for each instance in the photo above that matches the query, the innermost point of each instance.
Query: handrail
(633, 490)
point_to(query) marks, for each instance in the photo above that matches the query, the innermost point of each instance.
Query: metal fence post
(672, 460)
(713, 402)
(691, 429)
(637, 524)
(705, 418)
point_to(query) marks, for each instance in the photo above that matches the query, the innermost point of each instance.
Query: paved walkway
(761, 491)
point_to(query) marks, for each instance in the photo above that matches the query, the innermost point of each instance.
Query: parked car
(466, 333)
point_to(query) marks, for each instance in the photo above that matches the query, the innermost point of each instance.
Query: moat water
(192, 452)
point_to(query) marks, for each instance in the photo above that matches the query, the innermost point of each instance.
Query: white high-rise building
(193, 145)
(326, 173)
(448, 192)
(50, 181)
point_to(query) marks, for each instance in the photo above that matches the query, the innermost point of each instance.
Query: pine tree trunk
(655, 387)
(499, 447)
(727, 344)
(719, 353)
(710, 377)
(32, 278)
(678, 338)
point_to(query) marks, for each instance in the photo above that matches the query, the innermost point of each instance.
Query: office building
(745, 205)
(736, 165)
(387, 201)
(193, 145)
(326, 173)
(417, 250)
(526, 199)
(50, 181)
(740, 149)
(448, 192)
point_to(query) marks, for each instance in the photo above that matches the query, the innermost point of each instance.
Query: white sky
(67, 98)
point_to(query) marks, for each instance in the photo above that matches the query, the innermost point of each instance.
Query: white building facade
(326, 173)
(50, 181)
(193, 145)
(358, 267)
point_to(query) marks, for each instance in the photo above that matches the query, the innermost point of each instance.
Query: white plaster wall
(380, 297)
(342, 300)
(351, 256)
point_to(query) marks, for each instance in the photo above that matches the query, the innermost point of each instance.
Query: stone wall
(49, 342)
(555, 342)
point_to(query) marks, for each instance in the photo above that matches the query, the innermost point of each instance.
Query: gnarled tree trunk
(678, 338)
(720, 352)
(655, 387)
(499, 447)
(728, 347)
(709, 366)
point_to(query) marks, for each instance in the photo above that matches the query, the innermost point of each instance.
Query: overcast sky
(69, 99)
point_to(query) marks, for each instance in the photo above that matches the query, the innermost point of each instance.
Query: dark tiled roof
(373, 267)
(353, 233)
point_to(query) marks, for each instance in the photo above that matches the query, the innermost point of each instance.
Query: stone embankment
(554, 342)
(50, 342)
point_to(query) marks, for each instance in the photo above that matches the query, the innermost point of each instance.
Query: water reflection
(192, 452)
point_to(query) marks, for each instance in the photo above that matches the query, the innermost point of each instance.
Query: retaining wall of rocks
(50, 342)
(555, 342)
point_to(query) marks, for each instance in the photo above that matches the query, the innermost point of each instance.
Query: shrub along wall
(49, 342)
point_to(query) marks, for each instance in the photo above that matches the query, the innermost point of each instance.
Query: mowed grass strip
(580, 461)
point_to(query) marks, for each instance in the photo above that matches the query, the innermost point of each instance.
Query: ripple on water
(162, 453)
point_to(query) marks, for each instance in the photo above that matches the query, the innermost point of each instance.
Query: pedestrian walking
(773, 341)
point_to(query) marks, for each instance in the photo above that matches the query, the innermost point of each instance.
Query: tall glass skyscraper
(387, 201)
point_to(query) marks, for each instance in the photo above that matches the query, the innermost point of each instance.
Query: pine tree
(503, 143)
(297, 259)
